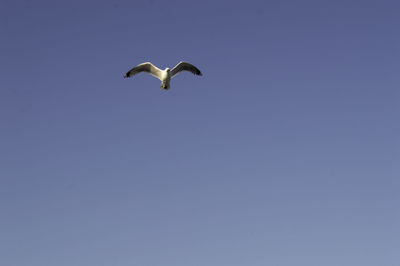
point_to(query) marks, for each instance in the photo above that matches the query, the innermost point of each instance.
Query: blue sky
(286, 151)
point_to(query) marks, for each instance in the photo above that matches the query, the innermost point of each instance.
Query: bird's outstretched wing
(181, 66)
(145, 67)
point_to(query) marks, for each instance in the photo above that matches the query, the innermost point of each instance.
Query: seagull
(163, 75)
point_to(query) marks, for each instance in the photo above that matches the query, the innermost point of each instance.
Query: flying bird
(163, 75)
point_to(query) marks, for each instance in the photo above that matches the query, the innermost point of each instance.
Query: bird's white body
(165, 78)
(163, 75)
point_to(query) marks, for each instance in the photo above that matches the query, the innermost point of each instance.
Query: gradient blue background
(286, 151)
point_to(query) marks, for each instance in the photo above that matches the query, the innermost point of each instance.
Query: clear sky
(286, 151)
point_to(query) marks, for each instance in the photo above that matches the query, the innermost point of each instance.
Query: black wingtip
(126, 75)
